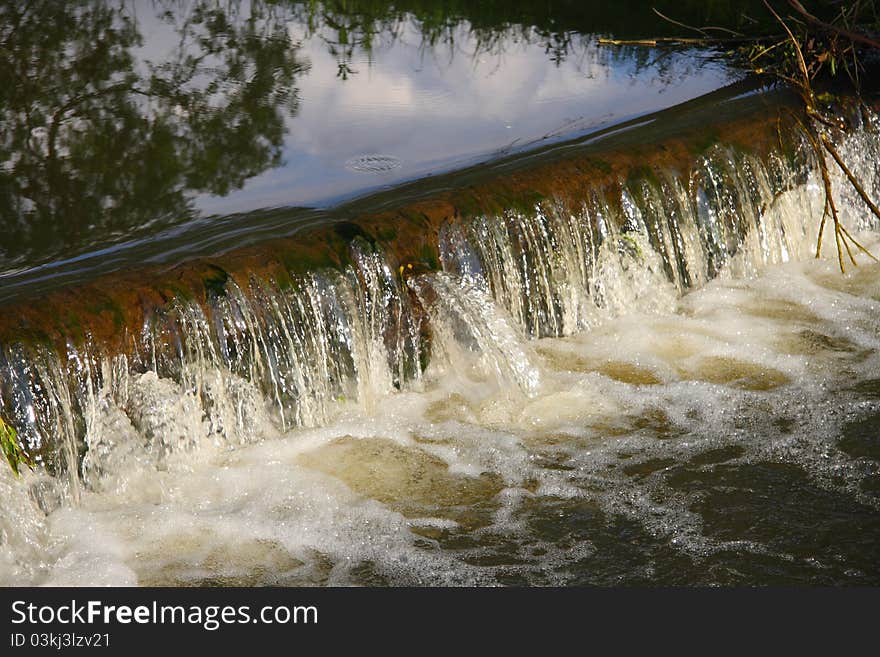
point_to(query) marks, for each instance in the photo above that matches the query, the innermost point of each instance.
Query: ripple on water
(375, 163)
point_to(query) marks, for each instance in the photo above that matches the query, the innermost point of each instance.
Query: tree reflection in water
(97, 144)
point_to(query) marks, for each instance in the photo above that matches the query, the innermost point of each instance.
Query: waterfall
(258, 357)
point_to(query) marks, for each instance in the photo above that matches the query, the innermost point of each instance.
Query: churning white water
(662, 396)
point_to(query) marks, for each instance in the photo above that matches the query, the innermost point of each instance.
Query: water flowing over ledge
(290, 347)
(223, 357)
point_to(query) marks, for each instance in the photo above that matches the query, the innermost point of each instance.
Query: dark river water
(655, 385)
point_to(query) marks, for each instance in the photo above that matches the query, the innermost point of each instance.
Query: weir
(291, 332)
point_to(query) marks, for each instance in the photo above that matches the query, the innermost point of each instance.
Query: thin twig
(766, 50)
(806, 89)
(707, 41)
(652, 42)
(830, 206)
(858, 244)
(822, 229)
(846, 244)
(674, 22)
(701, 30)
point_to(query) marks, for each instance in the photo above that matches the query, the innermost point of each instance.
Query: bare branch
(849, 34)
(849, 174)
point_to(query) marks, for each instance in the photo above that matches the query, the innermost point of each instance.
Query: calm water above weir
(648, 382)
(127, 121)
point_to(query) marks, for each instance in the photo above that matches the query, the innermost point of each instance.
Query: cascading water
(391, 427)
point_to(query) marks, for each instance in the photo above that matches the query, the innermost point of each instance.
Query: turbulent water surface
(663, 389)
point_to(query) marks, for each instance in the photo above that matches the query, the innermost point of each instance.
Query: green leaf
(13, 452)
(633, 246)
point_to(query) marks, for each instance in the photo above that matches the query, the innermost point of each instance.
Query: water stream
(656, 384)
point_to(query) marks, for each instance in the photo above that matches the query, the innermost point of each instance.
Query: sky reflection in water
(431, 109)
